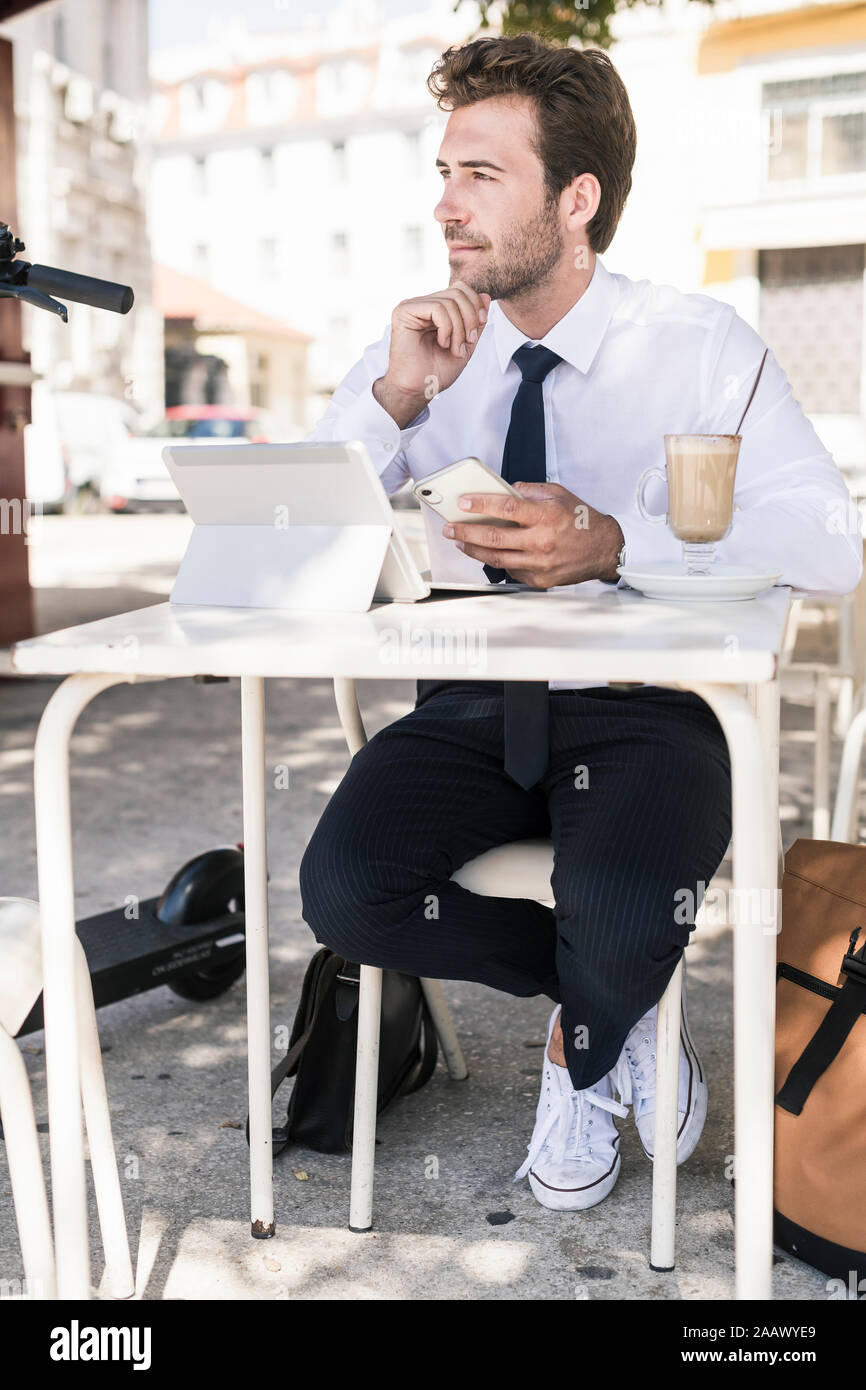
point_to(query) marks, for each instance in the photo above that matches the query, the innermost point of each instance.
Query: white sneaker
(634, 1077)
(573, 1160)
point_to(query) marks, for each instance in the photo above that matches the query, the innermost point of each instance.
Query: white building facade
(296, 171)
(750, 182)
(82, 110)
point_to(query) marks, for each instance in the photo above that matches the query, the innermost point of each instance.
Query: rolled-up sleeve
(793, 511)
(354, 413)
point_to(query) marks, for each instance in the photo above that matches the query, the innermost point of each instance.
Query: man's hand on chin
(558, 539)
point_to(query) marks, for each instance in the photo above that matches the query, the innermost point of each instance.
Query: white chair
(827, 676)
(519, 870)
(844, 824)
(844, 675)
(20, 987)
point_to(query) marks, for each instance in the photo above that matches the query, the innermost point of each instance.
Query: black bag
(321, 1054)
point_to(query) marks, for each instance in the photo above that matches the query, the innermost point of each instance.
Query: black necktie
(524, 460)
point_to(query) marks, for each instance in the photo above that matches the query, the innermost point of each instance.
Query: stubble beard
(526, 257)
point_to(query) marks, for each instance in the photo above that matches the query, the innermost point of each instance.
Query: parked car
(138, 479)
(70, 443)
(46, 469)
(93, 429)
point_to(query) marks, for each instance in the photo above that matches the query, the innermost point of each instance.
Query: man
(539, 356)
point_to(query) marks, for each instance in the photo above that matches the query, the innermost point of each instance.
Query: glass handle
(652, 517)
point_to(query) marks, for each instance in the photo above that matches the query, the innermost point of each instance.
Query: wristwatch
(620, 560)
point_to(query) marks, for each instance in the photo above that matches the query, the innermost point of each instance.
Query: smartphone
(441, 490)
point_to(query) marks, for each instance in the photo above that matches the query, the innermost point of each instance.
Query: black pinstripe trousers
(637, 802)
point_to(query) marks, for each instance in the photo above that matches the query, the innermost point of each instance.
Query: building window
(110, 33)
(788, 136)
(413, 244)
(204, 104)
(843, 143)
(339, 253)
(413, 153)
(108, 65)
(341, 85)
(200, 165)
(270, 95)
(410, 77)
(812, 317)
(338, 335)
(259, 383)
(815, 128)
(60, 38)
(268, 258)
(267, 165)
(832, 85)
(338, 160)
(201, 258)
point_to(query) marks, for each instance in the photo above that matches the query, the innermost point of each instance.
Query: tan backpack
(820, 1140)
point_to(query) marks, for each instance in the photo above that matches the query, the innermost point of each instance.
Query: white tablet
(295, 526)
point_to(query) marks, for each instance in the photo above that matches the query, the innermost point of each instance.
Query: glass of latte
(700, 473)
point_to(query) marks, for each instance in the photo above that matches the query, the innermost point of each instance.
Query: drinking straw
(753, 390)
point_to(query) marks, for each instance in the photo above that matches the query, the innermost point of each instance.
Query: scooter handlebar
(81, 289)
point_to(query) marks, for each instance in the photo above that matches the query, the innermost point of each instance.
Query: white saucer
(725, 584)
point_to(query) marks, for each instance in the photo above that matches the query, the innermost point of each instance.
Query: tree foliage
(560, 21)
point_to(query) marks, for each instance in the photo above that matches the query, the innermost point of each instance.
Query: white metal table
(591, 631)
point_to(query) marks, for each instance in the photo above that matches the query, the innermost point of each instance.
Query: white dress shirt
(639, 361)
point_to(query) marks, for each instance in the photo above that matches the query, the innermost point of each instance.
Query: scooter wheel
(207, 886)
(207, 984)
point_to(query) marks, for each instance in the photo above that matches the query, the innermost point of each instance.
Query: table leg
(753, 740)
(258, 982)
(366, 1099)
(57, 916)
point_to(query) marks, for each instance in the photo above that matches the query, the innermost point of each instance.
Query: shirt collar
(577, 336)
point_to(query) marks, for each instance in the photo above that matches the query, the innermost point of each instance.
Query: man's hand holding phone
(432, 338)
(549, 535)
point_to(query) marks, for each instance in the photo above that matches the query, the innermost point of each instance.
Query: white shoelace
(568, 1112)
(634, 1075)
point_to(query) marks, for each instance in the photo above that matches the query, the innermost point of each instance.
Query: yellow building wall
(719, 267)
(724, 46)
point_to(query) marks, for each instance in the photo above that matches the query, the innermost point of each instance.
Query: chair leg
(254, 785)
(846, 659)
(664, 1207)
(821, 808)
(844, 706)
(844, 826)
(103, 1159)
(366, 1096)
(25, 1171)
(445, 1030)
(791, 630)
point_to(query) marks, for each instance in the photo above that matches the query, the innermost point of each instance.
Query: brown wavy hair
(584, 121)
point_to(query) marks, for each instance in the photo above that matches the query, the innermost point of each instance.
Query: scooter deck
(128, 955)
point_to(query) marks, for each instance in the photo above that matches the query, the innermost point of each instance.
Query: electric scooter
(191, 937)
